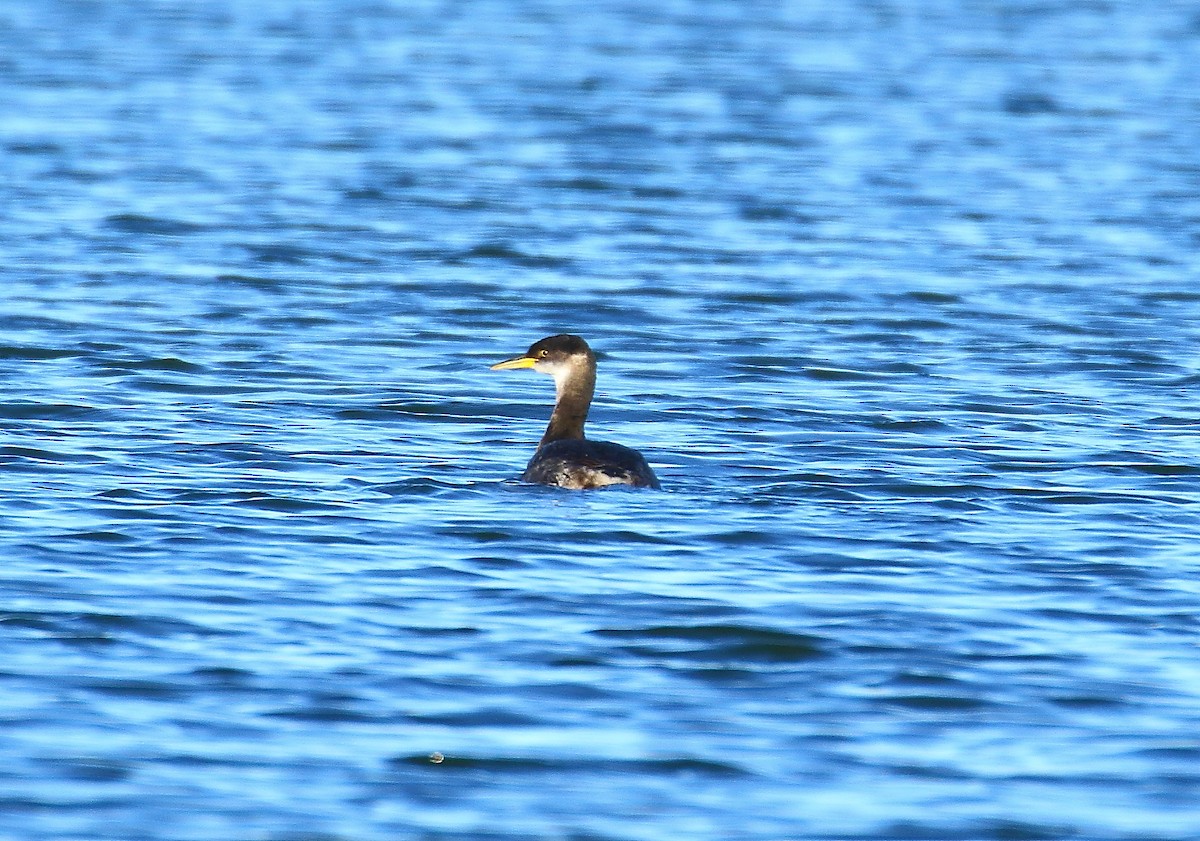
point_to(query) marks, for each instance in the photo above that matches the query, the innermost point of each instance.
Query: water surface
(899, 302)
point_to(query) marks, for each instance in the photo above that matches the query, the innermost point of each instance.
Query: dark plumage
(564, 457)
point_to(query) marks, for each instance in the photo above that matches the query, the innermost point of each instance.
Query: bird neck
(574, 387)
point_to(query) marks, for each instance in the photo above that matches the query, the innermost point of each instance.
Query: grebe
(564, 457)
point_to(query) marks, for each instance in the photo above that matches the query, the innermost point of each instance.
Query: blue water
(901, 301)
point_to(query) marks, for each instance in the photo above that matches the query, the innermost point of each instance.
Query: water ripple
(899, 305)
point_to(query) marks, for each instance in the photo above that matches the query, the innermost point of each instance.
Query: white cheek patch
(561, 372)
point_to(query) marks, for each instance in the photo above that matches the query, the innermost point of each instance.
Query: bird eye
(543, 353)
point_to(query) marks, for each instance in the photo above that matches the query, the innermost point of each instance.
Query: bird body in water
(564, 457)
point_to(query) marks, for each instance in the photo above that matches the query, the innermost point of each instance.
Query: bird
(564, 457)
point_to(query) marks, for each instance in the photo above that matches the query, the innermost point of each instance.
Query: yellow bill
(515, 362)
